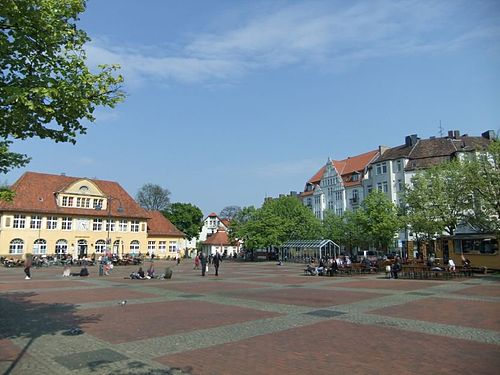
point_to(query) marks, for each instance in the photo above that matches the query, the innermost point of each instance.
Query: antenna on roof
(441, 130)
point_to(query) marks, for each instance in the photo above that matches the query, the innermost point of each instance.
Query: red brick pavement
(389, 284)
(8, 351)
(335, 347)
(208, 286)
(86, 295)
(36, 284)
(137, 322)
(311, 297)
(476, 314)
(481, 290)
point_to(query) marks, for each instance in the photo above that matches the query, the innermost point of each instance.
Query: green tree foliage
(186, 217)
(153, 197)
(46, 90)
(344, 230)
(230, 212)
(378, 220)
(277, 221)
(483, 179)
(438, 200)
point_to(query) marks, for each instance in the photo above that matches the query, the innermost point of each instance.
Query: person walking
(203, 261)
(197, 262)
(27, 266)
(217, 259)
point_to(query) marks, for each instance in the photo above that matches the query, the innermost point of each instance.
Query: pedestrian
(217, 259)
(197, 262)
(27, 266)
(178, 258)
(203, 261)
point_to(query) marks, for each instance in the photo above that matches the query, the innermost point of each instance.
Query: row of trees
(460, 192)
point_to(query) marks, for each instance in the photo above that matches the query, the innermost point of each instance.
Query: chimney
(382, 149)
(450, 134)
(457, 134)
(411, 140)
(489, 134)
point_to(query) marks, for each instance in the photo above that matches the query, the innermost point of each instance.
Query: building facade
(338, 185)
(58, 215)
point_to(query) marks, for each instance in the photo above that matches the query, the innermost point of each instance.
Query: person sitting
(84, 272)
(334, 268)
(466, 264)
(151, 272)
(451, 265)
(66, 271)
(139, 275)
(396, 268)
(310, 270)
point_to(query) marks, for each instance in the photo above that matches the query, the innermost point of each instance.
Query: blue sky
(232, 101)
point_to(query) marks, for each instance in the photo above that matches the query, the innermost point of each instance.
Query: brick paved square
(8, 350)
(340, 348)
(79, 296)
(481, 290)
(142, 321)
(477, 314)
(215, 286)
(284, 279)
(37, 284)
(389, 284)
(309, 297)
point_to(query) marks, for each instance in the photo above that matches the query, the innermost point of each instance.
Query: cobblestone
(259, 314)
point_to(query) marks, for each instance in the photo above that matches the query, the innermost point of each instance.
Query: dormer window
(67, 201)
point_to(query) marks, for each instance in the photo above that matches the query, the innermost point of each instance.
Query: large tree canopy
(153, 197)
(46, 90)
(230, 212)
(483, 176)
(186, 217)
(275, 222)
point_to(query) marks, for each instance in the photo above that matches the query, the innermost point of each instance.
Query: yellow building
(57, 214)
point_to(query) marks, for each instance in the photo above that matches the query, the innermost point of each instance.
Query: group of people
(201, 260)
(329, 266)
(141, 275)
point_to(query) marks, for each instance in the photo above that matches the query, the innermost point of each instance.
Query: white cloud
(308, 33)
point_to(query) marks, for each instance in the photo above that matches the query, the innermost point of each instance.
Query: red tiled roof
(226, 222)
(35, 192)
(159, 225)
(219, 238)
(347, 166)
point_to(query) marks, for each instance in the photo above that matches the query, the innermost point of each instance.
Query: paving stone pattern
(255, 318)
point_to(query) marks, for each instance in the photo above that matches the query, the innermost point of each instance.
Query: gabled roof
(159, 225)
(425, 153)
(347, 166)
(219, 238)
(36, 193)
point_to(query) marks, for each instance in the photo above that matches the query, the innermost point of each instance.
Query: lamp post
(109, 200)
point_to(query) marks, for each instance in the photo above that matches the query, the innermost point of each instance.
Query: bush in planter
(168, 273)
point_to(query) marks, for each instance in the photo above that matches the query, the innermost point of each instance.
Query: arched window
(16, 246)
(100, 246)
(40, 246)
(134, 246)
(61, 247)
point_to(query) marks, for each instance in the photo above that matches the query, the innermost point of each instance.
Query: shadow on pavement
(23, 318)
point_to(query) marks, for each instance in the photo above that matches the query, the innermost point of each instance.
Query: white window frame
(36, 222)
(61, 247)
(40, 246)
(67, 223)
(19, 221)
(51, 222)
(134, 225)
(16, 246)
(162, 246)
(97, 225)
(111, 225)
(100, 246)
(123, 225)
